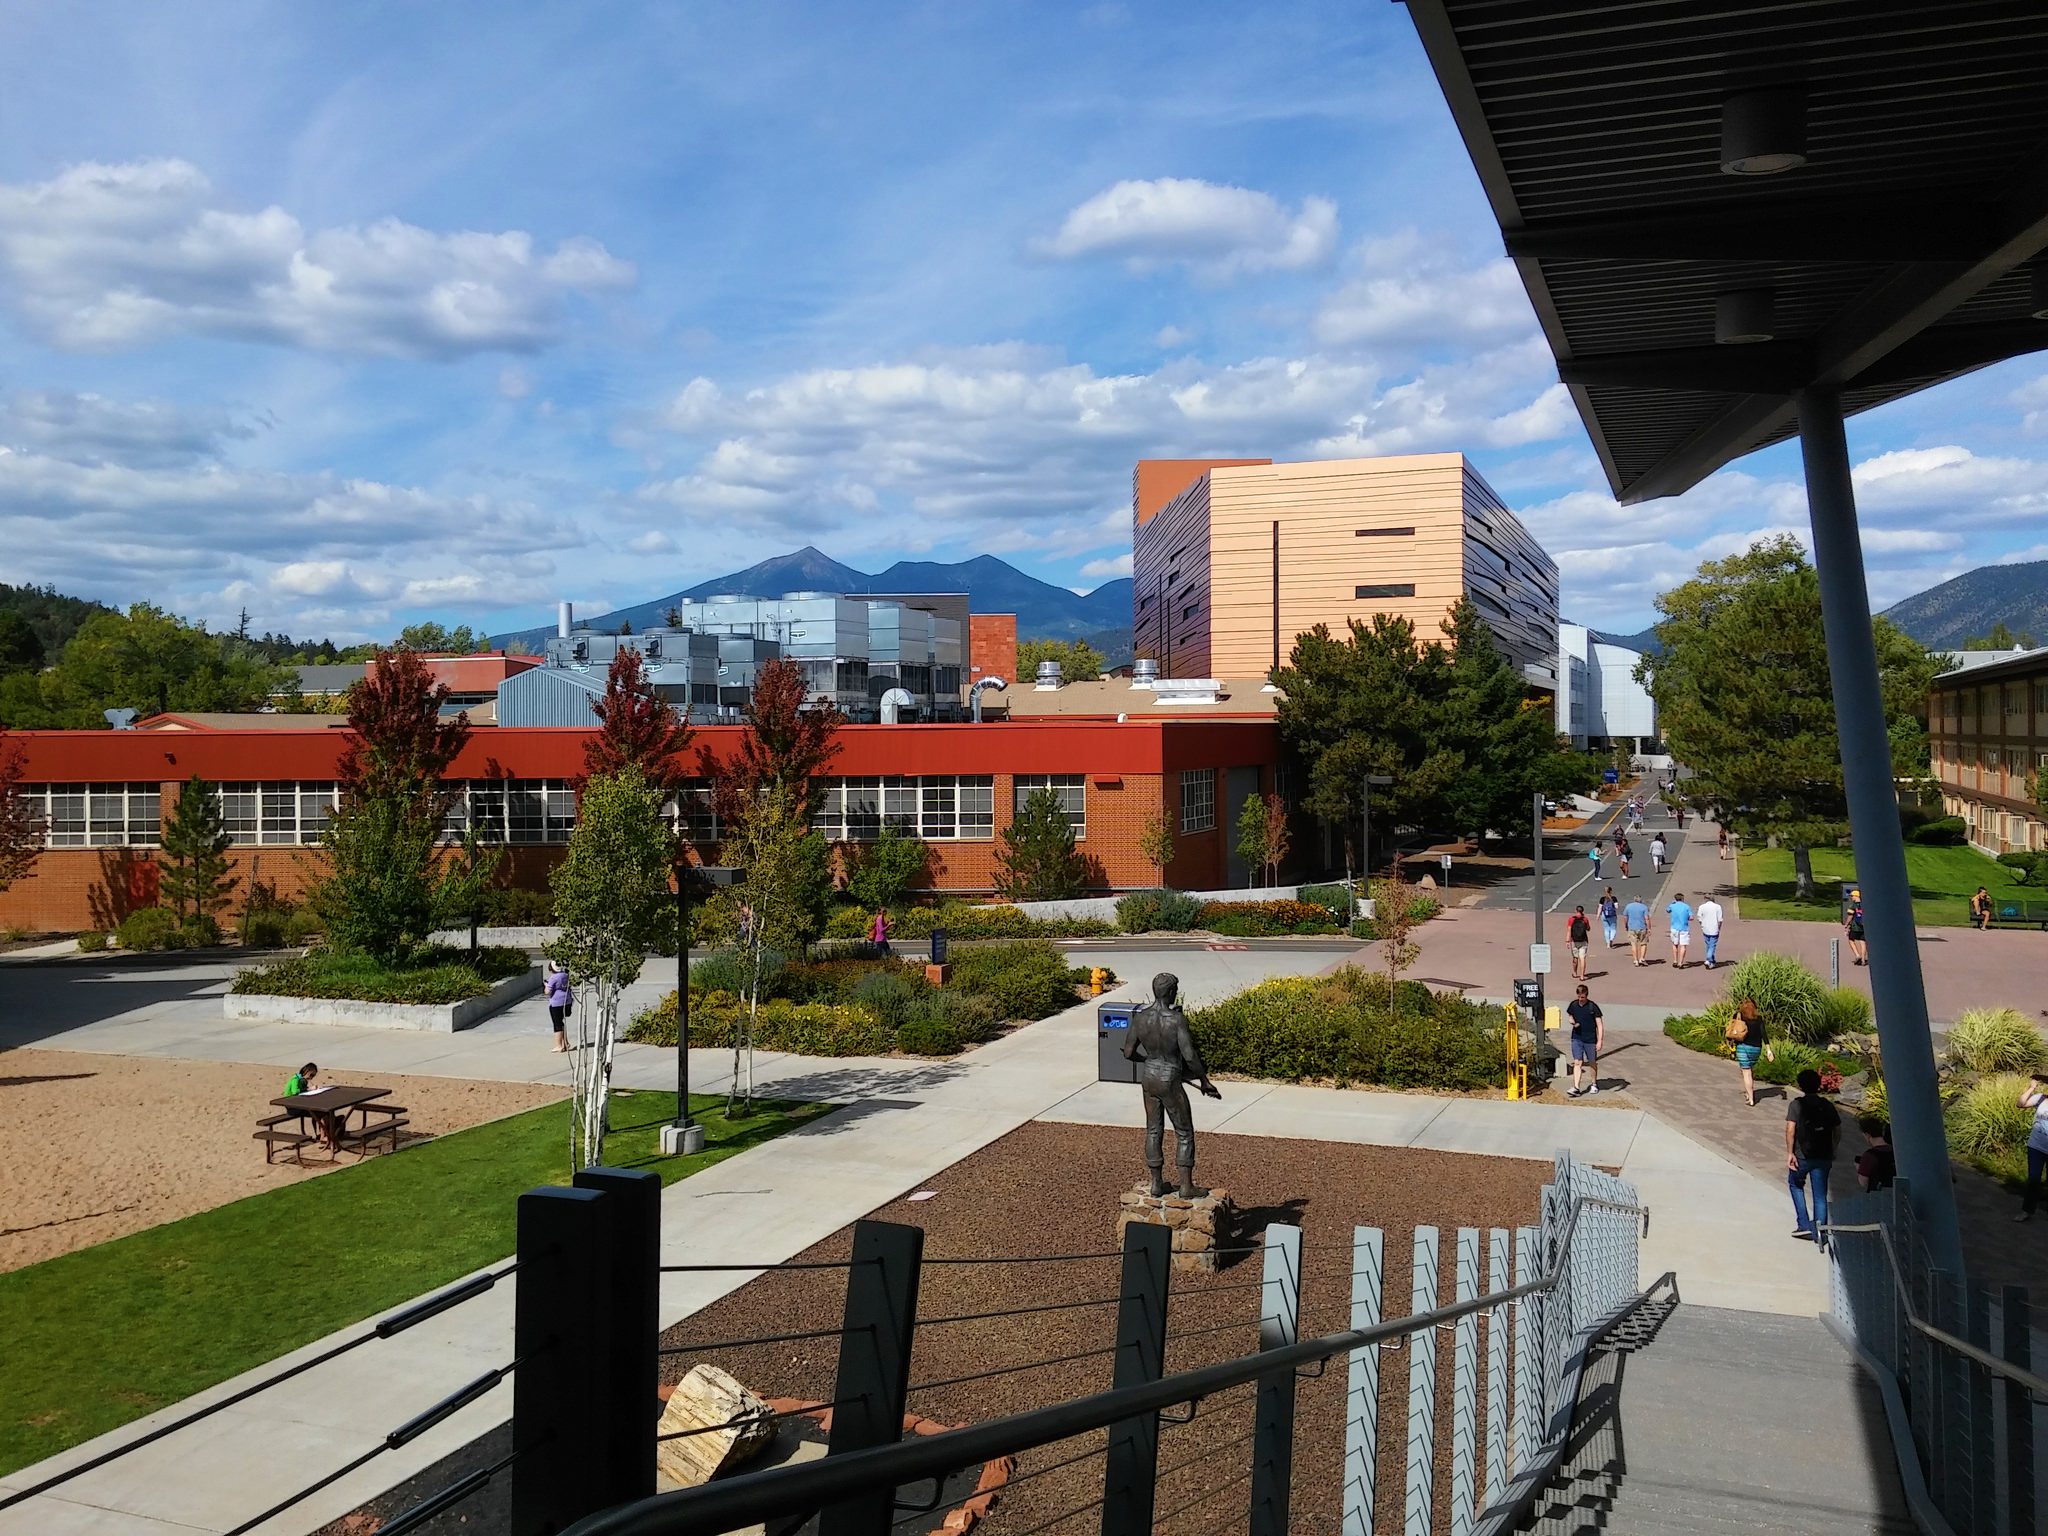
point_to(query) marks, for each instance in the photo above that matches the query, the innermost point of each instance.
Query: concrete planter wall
(1104, 907)
(511, 938)
(444, 1018)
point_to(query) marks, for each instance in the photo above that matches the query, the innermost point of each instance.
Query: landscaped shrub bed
(964, 920)
(869, 1006)
(1339, 1028)
(149, 928)
(435, 975)
(1265, 919)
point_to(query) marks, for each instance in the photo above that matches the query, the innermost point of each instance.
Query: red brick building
(103, 796)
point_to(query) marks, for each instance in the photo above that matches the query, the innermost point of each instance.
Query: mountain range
(1044, 611)
(1943, 617)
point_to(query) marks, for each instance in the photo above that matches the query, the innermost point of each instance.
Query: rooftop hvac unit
(1049, 674)
(1144, 672)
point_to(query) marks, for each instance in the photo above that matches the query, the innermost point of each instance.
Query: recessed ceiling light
(1763, 131)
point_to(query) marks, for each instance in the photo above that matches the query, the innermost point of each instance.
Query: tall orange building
(1246, 554)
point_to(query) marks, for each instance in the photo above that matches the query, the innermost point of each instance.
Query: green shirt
(296, 1086)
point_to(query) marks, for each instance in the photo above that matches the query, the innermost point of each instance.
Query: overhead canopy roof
(1897, 254)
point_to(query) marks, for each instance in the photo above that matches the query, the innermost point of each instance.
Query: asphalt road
(1568, 874)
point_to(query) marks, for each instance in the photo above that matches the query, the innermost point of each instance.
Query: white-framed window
(520, 811)
(936, 807)
(1197, 799)
(1070, 789)
(693, 812)
(2016, 701)
(97, 815)
(1990, 759)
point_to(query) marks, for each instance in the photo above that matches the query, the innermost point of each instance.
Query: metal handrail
(736, 1502)
(2037, 1386)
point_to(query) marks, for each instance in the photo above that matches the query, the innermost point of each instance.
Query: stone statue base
(1199, 1226)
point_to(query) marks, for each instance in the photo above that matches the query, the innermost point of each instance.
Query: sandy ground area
(95, 1146)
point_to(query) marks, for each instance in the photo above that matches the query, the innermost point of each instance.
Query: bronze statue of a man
(1160, 1042)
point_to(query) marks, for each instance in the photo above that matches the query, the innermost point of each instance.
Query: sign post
(684, 1135)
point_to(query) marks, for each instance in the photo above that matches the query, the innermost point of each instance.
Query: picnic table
(331, 1107)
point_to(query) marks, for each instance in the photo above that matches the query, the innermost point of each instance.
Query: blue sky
(353, 315)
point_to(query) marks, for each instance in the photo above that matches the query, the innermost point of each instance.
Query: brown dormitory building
(1989, 735)
(1232, 558)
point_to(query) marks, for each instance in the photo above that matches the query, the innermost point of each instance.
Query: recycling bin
(1112, 1029)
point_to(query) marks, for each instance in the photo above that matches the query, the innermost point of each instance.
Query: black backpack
(1813, 1137)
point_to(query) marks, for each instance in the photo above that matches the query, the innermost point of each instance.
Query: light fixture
(1744, 315)
(1763, 131)
(2038, 306)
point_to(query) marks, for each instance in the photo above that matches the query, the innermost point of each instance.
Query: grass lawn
(1943, 881)
(102, 1336)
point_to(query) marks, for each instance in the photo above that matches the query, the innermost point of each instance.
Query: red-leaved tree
(637, 728)
(786, 748)
(21, 826)
(398, 745)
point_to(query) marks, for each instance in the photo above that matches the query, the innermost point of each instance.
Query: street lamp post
(1365, 830)
(684, 1135)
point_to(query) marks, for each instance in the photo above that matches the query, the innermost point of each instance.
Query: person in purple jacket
(558, 1002)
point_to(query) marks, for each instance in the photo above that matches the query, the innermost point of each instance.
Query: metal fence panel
(1465, 1389)
(1497, 1366)
(1419, 1511)
(1362, 1389)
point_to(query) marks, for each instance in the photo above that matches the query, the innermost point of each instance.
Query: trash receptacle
(1112, 1028)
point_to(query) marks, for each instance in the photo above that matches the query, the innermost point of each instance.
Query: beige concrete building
(1233, 563)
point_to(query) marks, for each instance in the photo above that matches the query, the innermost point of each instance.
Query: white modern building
(1599, 701)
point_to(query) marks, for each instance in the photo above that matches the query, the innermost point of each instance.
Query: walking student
(1722, 840)
(2036, 1099)
(560, 1001)
(1593, 853)
(1589, 1034)
(1746, 1033)
(1610, 914)
(1852, 923)
(1658, 850)
(1637, 918)
(1580, 931)
(1812, 1127)
(878, 931)
(1621, 852)
(1710, 916)
(1679, 916)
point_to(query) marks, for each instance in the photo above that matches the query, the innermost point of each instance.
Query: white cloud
(105, 257)
(1109, 569)
(1171, 336)
(514, 383)
(1953, 484)
(92, 429)
(1408, 291)
(1219, 232)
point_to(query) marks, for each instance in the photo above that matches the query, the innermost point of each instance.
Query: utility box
(1529, 1000)
(1112, 1029)
(941, 949)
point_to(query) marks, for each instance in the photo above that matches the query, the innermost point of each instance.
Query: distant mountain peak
(1966, 606)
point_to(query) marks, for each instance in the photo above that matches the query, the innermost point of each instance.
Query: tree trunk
(1802, 873)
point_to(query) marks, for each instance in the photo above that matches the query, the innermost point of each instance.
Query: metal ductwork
(974, 693)
(893, 701)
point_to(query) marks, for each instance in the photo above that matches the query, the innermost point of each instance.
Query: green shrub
(849, 923)
(1784, 1060)
(1338, 899)
(509, 907)
(804, 1029)
(1701, 1031)
(886, 995)
(1264, 919)
(1846, 1012)
(1987, 1119)
(200, 930)
(1030, 980)
(996, 921)
(1942, 832)
(147, 928)
(1876, 1101)
(302, 925)
(927, 1037)
(437, 975)
(92, 943)
(1339, 1027)
(1996, 1040)
(1789, 996)
(1138, 912)
(970, 1015)
(264, 930)
(728, 970)
(1178, 911)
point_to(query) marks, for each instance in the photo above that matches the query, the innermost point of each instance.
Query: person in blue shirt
(1680, 917)
(1636, 916)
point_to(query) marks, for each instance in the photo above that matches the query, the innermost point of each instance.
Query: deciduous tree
(21, 824)
(1745, 698)
(1155, 845)
(878, 873)
(612, 897)
(637, 727)
(1079, 661)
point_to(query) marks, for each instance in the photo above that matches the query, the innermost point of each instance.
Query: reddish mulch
(1052, 1189)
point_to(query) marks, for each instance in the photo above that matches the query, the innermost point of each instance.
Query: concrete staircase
(1720, 1422)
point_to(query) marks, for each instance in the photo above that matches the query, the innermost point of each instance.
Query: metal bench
(273, 1139)
(360, 1138)
(2008, 913)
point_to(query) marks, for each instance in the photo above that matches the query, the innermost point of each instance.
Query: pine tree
(1038, 860)
(193, 865)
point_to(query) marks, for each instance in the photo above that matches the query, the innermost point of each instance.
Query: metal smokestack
(565, 618)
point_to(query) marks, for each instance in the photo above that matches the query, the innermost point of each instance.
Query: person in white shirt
(1709, 914)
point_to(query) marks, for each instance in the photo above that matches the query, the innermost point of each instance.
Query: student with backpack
(1610, 915)
(1878, 1167)
(1813, 1127)
(1580, 931)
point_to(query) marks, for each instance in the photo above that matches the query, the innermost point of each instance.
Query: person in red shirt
(1580, 930)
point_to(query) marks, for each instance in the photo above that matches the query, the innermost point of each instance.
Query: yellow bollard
(1518, 1075)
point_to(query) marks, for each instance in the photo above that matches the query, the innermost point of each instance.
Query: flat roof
(1896, 254)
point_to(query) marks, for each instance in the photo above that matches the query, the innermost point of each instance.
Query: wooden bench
(273, 1139)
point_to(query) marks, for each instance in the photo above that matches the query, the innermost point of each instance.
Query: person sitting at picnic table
(306, 1080)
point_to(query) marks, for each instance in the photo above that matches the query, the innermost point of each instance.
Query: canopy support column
(1895, 979)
